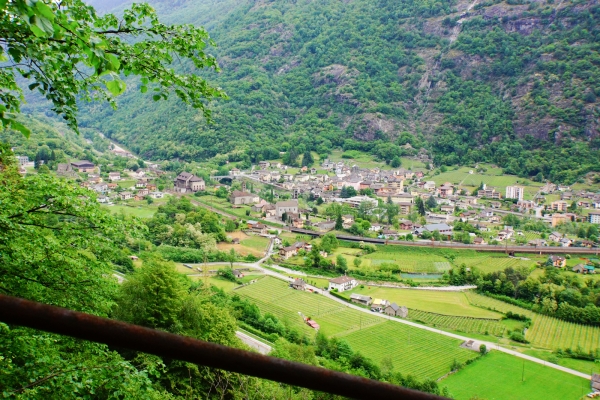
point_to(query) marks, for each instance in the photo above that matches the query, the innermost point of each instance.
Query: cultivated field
(274, 296)
(502, 376)
(413, 352)
(546, 332)
(448, 303)
(461, 324)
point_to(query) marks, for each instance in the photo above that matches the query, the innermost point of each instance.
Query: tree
(152, 296)
(329, 242)
(65, 51)
(357, 261)
(396, 162)
(339, 224)
(431, 203)
(341, 263)
(319, 201)
(420, 206)
(307, 159)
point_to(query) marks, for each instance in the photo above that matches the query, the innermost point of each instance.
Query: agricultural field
(430, 261)
(408, 261)
(420, 353)
(414, 352)
(274, 296)
(546, 332)
(255, 245)
(490, 263)
(460, 324)
(448, 303)
(502, 376)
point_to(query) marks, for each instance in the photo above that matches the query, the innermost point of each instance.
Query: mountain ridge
(513, 83)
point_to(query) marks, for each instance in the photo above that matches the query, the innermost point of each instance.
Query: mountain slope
(514, 83)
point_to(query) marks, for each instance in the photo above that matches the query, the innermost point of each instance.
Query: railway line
(454, 245)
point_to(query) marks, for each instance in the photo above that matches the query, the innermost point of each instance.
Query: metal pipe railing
(115, 333)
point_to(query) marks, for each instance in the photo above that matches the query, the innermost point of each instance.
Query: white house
(342, 283)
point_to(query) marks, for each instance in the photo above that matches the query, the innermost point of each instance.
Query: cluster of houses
(345, 283)
(108, 189)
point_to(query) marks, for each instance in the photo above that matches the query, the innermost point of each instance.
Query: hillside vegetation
(513, 83)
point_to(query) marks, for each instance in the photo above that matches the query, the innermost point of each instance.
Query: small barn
(298, 284)
(360, 299)
(396, 311)
(596, 382)
(237, 273)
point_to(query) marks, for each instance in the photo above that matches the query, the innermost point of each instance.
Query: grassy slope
(498, 376)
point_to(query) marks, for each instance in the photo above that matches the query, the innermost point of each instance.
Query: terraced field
(545, 331)
(416, 352)
(462, 324)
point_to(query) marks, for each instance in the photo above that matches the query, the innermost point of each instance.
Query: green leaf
(143, 89)
(34, 85)
(37, 31)
(114, 61)
(3, 3)
(156, 97)
(45, 10)
(17, 126)
(116, 87)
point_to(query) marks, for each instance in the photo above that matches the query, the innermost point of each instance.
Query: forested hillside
(511, 82)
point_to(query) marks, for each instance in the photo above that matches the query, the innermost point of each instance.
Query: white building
(290, 206)
(515, 192)
(594, 217)
(342, 283)
(355, 201)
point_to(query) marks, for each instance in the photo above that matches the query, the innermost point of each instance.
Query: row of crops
(554, 333)
(414, 352)
(545, 331)
(462, 324)
(275, 297)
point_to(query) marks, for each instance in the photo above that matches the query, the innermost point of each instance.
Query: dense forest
(514, 83)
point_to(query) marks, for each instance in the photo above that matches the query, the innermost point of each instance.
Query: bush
(518, 337)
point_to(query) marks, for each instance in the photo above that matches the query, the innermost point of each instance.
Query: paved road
(257, 345)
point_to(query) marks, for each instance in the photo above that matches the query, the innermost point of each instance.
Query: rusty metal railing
(115, 333)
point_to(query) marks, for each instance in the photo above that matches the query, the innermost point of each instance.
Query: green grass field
(502, 376)
(492, 177)
(546, 332)
(448, 303)
(419, 353)
(490, 263)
